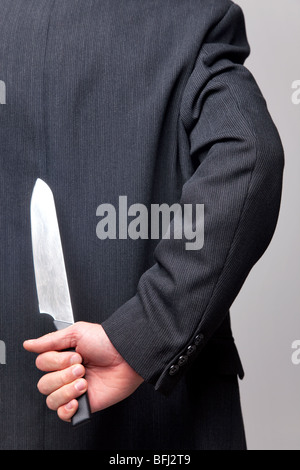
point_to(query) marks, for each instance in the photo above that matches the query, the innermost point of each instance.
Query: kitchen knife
(50, 272)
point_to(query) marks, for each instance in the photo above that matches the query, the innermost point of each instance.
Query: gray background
(266, 315)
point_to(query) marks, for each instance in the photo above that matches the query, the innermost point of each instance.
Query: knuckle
(48, 361)
(68, 393)
(65, 377)
(39, 362)
(50, 401)
(41, 386)
(56, 360)
(71, 338)
(60, 397)
(63, 415)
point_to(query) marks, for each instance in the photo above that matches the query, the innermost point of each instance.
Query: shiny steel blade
(49, 266)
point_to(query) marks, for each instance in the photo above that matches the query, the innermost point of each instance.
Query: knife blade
(50, 271)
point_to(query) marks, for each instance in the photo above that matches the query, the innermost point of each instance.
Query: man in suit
(148, 99)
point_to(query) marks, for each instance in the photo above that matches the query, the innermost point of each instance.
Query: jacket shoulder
(197, 16)
(213, 8)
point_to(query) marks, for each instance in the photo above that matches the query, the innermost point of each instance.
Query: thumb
(56, 341)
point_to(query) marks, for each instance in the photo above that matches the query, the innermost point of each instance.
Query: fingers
(67, 411)
(49, 383)
(66, 394)
(64, 383)
(57, 341)
(62, 388)
(53, 360)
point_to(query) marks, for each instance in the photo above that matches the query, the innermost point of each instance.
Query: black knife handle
(83, 413)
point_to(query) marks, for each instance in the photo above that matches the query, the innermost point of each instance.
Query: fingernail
(70, 405)
(77, 371)
(75, 359)
(80, 385)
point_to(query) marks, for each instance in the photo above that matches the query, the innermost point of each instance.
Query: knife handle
(83, 413)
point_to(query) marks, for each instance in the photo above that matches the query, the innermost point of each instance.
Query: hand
(108, 378)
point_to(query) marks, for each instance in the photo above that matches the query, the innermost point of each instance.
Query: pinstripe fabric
(148, 99)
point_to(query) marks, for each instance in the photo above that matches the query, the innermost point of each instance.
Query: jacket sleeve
(235, 147)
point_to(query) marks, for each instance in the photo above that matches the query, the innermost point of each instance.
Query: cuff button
(191, 350)
(182, 360)
(198, 339)
(173, 370)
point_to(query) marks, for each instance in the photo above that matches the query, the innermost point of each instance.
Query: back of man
(148, 100)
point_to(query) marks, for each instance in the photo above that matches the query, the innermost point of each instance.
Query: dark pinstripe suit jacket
(148, 99)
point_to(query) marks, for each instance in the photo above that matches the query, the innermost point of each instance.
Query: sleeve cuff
(132, 336)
